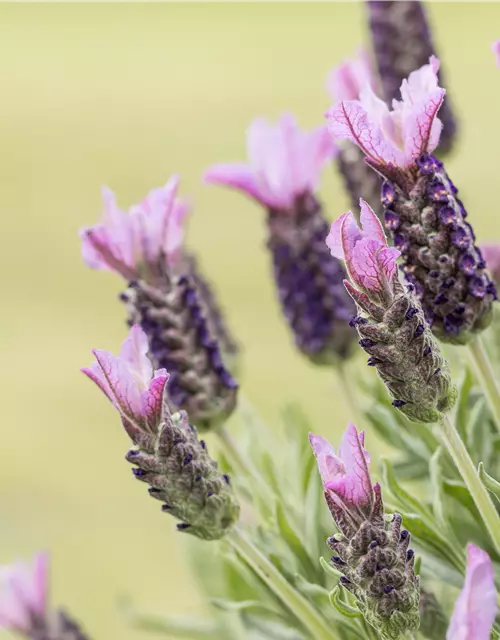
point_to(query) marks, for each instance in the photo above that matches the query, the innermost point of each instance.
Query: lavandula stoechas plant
(371, 550)
(168, 456)
(285, 165)
(423, 212)
(402, 43)
(391, 324)
(345, 82)
(24, 605)
(168, 298)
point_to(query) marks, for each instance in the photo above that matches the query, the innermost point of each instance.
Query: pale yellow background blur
(124, 95)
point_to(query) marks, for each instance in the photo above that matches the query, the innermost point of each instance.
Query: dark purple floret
(402, 43)
(139, 473)
(391, 220)
(309, 282)
(410, 554)
(439, 257)
(366, 343)
(388, 194)
(388, 588)
(419, 330)
(398, 403)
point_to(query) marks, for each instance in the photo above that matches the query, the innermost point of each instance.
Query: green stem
(352, 400)
(486, 376)
(294, 601)
(472, 480)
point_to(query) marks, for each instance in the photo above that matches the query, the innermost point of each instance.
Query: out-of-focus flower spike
(402, 43)
(371, 551)
(346, 82)
(170, 299)
(169, 456)
(391, 323)
(283, 174)
(476, 606)
(24, 606)
(423, 212)
(490, 253)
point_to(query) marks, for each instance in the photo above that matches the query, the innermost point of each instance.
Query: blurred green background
(124, 95)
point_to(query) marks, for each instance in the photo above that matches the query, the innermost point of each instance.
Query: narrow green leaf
(341, 606)
(406, 500)
(462, 411)
(241, 605)
(489, 482)
(479, 433)
(457, 490)
(329, 569)
(293, 541)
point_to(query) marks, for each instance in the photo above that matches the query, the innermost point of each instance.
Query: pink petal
(152, 399)
(123, 390)
(238, 176)
(476, 606)
(134, 352)
(371, 225)
(13, 614)
(421, 127)
(334, 239)
(38, 594)
(495, 47)
(491, 255)
(346, 81)
(349, 120)
(355, 488)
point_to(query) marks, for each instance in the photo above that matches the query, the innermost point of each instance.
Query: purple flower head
(284, 162)
(129, 382)
(476, 606)
(347, 80)
(345, 475)
(140, 241)
(371, 264)
(495, 47)
(491, 255)
(396, 137)
(23, 594)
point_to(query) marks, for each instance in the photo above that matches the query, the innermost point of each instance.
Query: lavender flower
(402, 43)
(170, 300)
(283, 175)
(169, 457)
(423, 212)
(346, 82)
(373, 556)
(391, 323)
(476, 606)
(24, 606)
(491, 256)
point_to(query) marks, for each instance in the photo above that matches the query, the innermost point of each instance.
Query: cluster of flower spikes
(168, 456)
(402, 43)
(285, 165)
(391, 323)
(371, 550)
(145, 247)
(423, 213)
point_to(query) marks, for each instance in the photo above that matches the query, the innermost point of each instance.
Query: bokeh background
(124, 95)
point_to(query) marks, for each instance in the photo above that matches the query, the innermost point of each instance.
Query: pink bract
(476, 606)
(345, 475)
(284, 163)
(347, 80)
(129, 382)
(398, 136)
(370, 263)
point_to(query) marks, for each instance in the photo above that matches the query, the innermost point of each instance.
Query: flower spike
(169, 457)
(391, 323)
(370, 551)
(284, 170)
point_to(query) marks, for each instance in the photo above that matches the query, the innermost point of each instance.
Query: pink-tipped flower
(396, 137)
(347, 80)
(371, 264)
(388, 597)
(495, 47)
(476, 606)
(345, 475)
(23, 595)
(129, 382)
(141, 242)
(284, 163)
